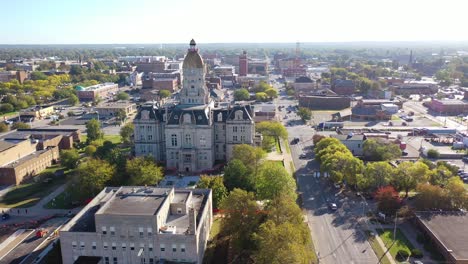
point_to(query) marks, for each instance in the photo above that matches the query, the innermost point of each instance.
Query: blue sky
(221, 21)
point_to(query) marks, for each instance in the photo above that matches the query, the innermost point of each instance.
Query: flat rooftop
(22, 160)
(450, 228)
(136, 201)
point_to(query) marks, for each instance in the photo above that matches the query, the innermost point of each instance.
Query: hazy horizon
(51, 22)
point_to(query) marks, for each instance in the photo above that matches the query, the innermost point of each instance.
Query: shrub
(416, 253)
(433, 154)
(402, 255)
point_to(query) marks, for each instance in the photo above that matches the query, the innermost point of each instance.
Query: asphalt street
(337, 236)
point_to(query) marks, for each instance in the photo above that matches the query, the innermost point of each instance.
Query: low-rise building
(265, 112)
(353, 142)
(111, 109)
(344, 87)
(303, 85)
(38, 112)
(448, 107)
(323, 102)
(7, 76)
(414, 88)
(138, 224)
(90, 93)
(371, 112)
(448, 231)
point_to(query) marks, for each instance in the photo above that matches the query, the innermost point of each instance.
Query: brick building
(343, 87)
(448, 107)
(102, 90)
(243, 64)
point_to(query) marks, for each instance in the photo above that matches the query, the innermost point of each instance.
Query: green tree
(440, 175)
(408, 175)
(261, 96)
(123, 96)
(431, 197)
(316, 138)
(241, 217)
(69, 158)
(237, 175)
(376, 175)
(6, 108)
(272, 93)
(281, 243)
(215, 183)
(433, 154)
(304, 113)
(272, 128)
(73, 99)
(90, 150)
(378, 150)
(20, 125)
(164, 93)
(457, 193)
(126, 132)
(261, 87)
(143, 171)
(37, 75)
(121, 115)
(241, 95)
(251, 157)
(93, 130)
(93, 175)
(329, 146)
(272, 180)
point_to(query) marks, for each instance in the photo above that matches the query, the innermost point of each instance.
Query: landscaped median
(378, 250)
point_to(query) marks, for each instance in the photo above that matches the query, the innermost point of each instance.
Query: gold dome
(192, 59)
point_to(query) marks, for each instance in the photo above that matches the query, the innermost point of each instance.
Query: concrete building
(353, 142)
(103, 90)
(224, 70)
(157, 64)
(191, 135)
(243, 64)
(38, 112)
(257, 66)
(134, 225)
(22, 157)
(448, 231)
(111, 109)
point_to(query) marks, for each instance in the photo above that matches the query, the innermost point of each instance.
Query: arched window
(220, 117)
(239, 115)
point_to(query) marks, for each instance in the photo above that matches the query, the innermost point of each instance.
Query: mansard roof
(151, 112)
(198, 115)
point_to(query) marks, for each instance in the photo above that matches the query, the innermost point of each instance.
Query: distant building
(243, 64)
(414, 88)
(111, 109)
(324, 102)
(7, 76)
(137, 224)
(103, 90)
(304, 84)
(344, 87)
(38, 112)
(448, 107)
(265, 112)
(224, 70)
(256, 66)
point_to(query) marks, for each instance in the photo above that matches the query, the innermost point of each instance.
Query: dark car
(302, 156)
(5, 216)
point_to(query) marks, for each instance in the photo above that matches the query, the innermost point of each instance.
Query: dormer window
(199, 117)
(176, 117)
(238, 115)
(220, 117)
(187, 119)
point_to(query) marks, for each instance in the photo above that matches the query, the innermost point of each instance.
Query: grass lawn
(378, 250)
(278, 147)
(27, 195)
(116, 139)
(288, 149)
(279, 162)
(401, 242)
(64, 200)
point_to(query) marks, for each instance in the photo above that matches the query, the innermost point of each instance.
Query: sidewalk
(382, 245)
(411, 234)
(284, 156)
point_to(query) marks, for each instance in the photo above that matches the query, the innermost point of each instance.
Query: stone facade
(141, 225)
(191, 135)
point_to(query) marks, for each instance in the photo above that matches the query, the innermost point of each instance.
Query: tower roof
(192, 59)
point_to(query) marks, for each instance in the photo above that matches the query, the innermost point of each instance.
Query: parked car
(5, 216)
(302, 156)
(332, 206)
(465, 159)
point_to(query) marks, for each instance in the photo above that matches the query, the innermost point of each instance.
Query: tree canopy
(93, 175)
(143, 171)
(241, 95)
(93, 130)
(215, 183)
